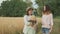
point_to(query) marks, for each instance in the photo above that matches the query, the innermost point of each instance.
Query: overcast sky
(1, 1)
(4, 0)
(34, 5)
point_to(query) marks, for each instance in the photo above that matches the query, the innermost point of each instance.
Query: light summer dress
(28, 29)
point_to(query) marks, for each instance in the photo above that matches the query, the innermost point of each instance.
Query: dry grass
(14, 25)
(11, 25)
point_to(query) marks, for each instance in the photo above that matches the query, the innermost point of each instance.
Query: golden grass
(12, 25)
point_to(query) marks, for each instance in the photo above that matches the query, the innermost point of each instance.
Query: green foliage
(54, 5)
(13, 8)
(16, 8)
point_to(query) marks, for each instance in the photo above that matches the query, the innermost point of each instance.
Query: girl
(28, 29)
(47, 20)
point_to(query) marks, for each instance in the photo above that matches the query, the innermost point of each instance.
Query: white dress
(27, 29)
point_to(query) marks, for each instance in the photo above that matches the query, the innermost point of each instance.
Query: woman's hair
(47, 9)
(28, 9)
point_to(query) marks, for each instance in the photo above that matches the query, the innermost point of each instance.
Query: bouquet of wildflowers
(32, 20)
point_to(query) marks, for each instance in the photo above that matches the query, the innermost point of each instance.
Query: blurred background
(17, 8)
(12, 12)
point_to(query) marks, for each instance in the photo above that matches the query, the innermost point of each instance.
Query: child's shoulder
(25, 15)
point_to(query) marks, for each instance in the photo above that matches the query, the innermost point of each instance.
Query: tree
(54, 5)
(13, 8)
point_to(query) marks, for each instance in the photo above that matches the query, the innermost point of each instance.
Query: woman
(28, 26)
(47, 20)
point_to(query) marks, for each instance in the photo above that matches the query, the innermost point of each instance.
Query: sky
(34, 5)
(4, 0)
(1, 1)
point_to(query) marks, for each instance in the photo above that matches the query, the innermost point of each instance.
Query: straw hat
(29, 8)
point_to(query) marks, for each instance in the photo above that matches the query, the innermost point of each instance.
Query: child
(28, 29)
(47, 20)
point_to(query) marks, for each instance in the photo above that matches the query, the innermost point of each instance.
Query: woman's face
(30, 12)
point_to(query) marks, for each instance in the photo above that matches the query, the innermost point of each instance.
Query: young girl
(28, 29)
(47, 20)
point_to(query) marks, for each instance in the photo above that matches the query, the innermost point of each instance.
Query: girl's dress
(27, 29)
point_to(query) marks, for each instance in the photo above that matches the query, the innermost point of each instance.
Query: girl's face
(30, 12)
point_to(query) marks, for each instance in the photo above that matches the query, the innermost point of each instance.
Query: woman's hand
(51, 29)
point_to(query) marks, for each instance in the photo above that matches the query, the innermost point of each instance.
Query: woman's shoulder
(51, 14)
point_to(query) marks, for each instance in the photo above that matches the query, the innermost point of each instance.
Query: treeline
(17, 8)
(54, 6)
(13, 8)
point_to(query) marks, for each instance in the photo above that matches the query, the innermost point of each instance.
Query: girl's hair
(28, 9)
(47, 9)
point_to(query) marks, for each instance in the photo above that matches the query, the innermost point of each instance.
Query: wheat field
(14, 25)
(11, 25)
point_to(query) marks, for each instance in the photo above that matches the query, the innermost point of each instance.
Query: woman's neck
(47, 13)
